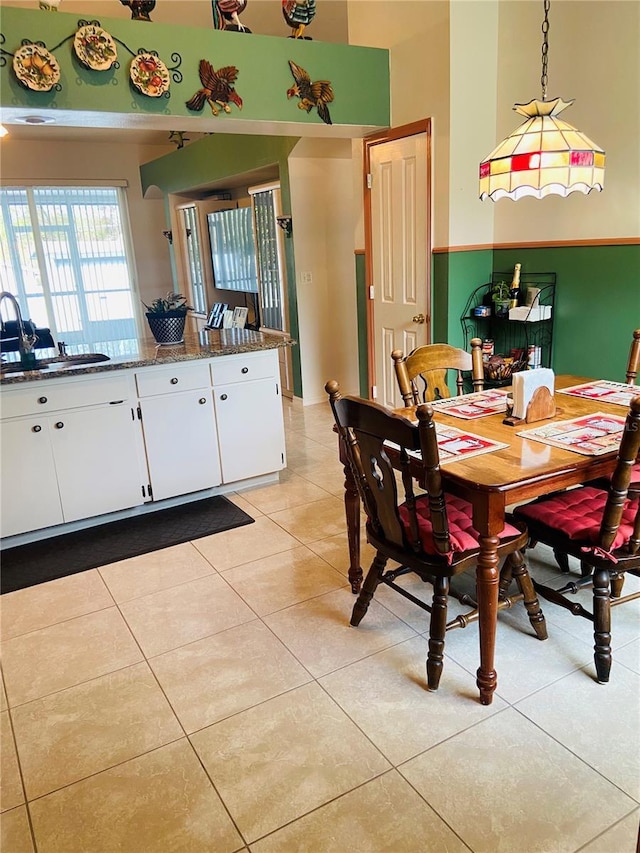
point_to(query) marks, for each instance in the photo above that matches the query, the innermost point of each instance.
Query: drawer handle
(59, 425)
(202, 400)
(174, 381)
(244, 370)
(42, 400)
(223, 396)
(36, 428)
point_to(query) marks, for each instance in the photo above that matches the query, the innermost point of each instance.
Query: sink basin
(60, 362)
(75, 360)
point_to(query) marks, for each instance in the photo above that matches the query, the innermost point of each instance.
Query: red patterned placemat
(591, 435)
(471, 406)
(604, 391)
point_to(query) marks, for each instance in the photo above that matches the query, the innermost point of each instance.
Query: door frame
(389, 135)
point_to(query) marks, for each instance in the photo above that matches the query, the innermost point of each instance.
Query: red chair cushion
(578, 514)
(461, 533)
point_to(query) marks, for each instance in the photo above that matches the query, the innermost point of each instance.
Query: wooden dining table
(523, 470)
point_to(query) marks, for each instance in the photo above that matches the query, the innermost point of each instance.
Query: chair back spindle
(366, 428)
(618, 490)
(422, 375)
(634, 358)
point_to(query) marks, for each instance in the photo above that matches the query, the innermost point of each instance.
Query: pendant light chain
(545, 49)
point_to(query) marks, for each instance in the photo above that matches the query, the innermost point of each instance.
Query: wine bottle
(514, 290)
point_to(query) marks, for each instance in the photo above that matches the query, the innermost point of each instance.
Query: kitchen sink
(81, 358)
(60, 362)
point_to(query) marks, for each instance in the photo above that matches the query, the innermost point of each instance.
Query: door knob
(418, 318)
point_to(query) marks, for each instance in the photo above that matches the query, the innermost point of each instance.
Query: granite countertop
(146, 352)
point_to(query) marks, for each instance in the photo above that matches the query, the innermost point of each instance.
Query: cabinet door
(180, 439)
(96, 460)
(29, 497)
(250, 429)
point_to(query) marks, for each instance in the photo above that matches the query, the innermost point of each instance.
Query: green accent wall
(361, 310)
(597, 303)
(597, 299)
(263, 80)
(216, 157)
(454, 276)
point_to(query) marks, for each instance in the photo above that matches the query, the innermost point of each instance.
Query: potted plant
(167, 316)
(500, 293)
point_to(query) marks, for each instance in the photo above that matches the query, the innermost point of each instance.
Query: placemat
(591, 435)
(604, 391)
(456, 444)
(479, 404)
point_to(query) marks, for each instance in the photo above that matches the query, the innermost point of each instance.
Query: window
(266, 206)
(189, 216)
(64, 255)
(233, 252)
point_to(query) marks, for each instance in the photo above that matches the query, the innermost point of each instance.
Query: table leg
(487, 581)
(352, 512)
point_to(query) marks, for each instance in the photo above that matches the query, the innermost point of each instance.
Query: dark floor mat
(38, 562)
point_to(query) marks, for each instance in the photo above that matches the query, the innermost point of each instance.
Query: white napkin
(525, 383)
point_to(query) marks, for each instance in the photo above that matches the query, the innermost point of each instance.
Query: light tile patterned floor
(212, 698)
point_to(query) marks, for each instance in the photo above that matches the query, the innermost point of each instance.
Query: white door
(399, 254)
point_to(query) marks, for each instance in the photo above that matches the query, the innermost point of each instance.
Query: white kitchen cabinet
(29, 495)
(248, 406)
(96, 460)
(179, 430)
(64, 464)
(91, 445)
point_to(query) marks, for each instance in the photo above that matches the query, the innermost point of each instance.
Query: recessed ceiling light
(36, 120)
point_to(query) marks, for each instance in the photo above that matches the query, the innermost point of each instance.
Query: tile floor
(212, 697)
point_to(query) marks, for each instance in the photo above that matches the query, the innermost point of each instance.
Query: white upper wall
(473, 66)
(323, 209)
(594, 57)
(466, 62)
(261, 16)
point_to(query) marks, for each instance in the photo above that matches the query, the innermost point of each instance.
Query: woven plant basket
(168, 328)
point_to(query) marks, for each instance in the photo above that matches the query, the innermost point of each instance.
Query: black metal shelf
(509, 335)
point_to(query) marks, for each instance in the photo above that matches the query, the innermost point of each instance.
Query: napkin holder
(540, 407)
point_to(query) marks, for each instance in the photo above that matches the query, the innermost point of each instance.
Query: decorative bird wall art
(140, 9)
(226, 15)
(311, 95)
(217, 89)
(298, 14)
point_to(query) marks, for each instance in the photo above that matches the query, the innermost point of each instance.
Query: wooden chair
(422, 375)
(633, 365)
(602, 529)
(428, 534)
(632, 371)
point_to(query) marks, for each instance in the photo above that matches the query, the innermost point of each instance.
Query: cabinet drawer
(168, 379)
(41, 397)
(240, 368)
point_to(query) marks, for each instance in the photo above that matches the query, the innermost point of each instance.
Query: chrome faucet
(25, 342)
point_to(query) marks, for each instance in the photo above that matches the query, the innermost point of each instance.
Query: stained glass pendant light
(545, 155)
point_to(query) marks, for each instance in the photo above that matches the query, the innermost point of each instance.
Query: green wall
(454, 276)
(263, 80)
(597, 299)
(361, 309)
(597, 303)
(216, 157)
